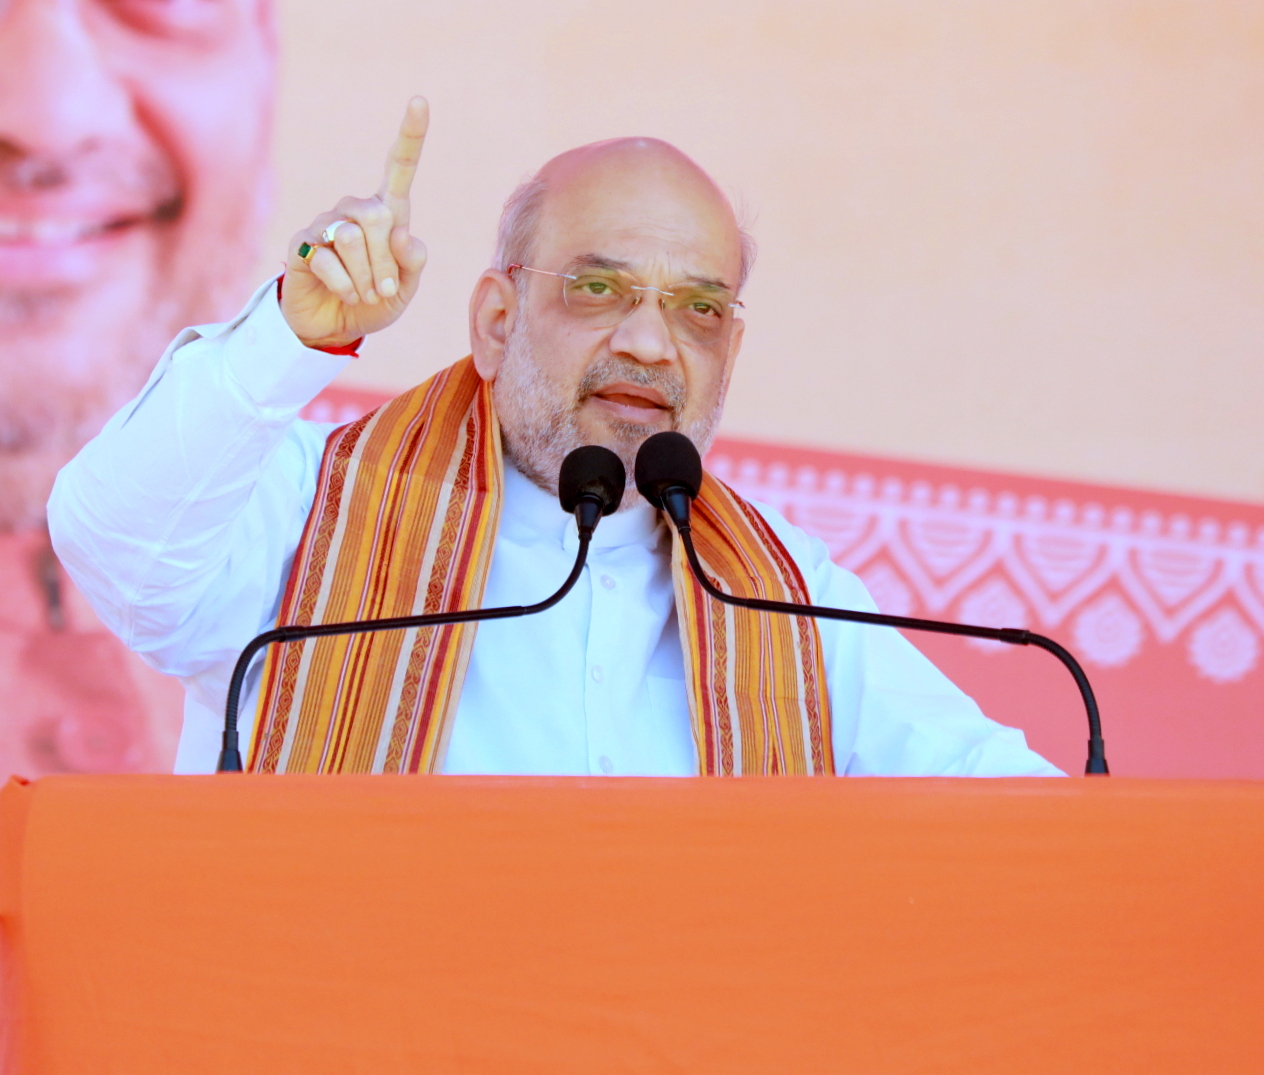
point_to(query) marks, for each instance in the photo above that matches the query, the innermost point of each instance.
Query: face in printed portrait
(134, 183)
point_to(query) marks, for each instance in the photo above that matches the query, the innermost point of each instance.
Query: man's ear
(493, 309)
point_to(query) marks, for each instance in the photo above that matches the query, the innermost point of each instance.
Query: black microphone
(669, 475)
(590, 486)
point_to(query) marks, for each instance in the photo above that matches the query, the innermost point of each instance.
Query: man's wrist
(274, 368)
(352, 349)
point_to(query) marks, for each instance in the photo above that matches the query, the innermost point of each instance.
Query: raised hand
(366, 278)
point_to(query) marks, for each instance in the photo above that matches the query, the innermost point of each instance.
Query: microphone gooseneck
(590, 486)
(669, 476)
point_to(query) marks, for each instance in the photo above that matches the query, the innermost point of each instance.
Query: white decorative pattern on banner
(888, 590)
(1108, 632)
(1223, 647)
(1114, 576)
(993, 604)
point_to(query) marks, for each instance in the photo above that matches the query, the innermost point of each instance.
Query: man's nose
(644, 336)
(57, 94)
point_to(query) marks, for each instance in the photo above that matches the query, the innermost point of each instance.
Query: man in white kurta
(181, 520)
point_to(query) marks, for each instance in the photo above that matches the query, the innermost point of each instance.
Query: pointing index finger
(401, 164)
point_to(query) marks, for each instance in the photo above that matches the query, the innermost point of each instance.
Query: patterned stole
(404, 521)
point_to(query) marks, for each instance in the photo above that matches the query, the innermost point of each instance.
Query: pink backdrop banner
(1160, 597)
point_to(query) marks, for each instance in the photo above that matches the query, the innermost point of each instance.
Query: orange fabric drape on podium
(407, 924)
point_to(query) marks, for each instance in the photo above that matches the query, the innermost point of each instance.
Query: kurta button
(607, 766)
(597, 673)
(607, 582)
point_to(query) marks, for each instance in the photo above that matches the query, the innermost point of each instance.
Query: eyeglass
(697, 311)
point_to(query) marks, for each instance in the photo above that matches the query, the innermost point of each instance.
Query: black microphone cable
(669, 476)
(590, 486)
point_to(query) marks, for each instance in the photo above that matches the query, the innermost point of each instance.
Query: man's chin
(37, 314)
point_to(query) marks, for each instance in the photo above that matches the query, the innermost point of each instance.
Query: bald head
(620, 186)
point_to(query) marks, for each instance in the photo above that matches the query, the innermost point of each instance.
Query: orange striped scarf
(404, 521)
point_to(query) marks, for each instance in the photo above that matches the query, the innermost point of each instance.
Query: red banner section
(1161, 597)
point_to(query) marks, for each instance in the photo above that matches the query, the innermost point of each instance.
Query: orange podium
(477, 925)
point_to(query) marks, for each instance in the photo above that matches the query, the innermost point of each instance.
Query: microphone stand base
(229, 758)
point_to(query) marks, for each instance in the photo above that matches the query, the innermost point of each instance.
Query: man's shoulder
(805, 549)
(828, 583)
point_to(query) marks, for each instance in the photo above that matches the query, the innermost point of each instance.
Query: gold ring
(305, 251)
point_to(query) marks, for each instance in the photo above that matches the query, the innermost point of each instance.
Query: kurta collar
(529, 512)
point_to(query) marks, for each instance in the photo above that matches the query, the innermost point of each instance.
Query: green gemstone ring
(306, 250)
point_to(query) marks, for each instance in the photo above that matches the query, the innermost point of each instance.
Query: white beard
(540, 426)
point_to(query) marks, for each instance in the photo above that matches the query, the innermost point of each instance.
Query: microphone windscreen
(592, 471)
(667, 459)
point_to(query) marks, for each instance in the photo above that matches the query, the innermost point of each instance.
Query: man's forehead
(638, 200)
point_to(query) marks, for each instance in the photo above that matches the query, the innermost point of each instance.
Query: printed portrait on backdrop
(134, 185)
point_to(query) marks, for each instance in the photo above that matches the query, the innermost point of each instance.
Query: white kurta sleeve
(894, 713)
(179, 520)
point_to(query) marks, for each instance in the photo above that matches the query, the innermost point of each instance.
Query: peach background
(1013, 235)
